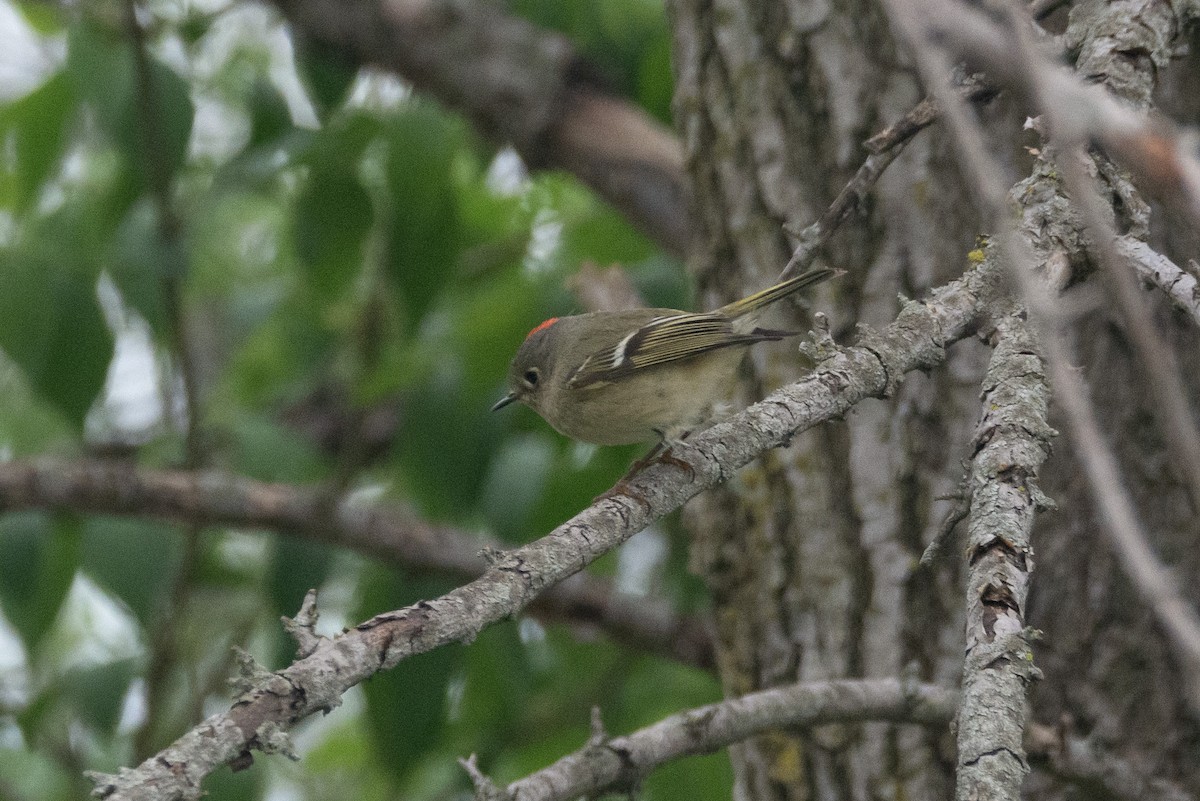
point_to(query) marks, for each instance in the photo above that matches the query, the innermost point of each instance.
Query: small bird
(617, 377)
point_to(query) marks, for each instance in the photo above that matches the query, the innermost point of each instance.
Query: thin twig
(1094, 770)
(1120, 522)
(155, 167)
(884, 148)
(973, 88)
(957, 513)
(1178, 284)
(1150, 146)
(1158, 589)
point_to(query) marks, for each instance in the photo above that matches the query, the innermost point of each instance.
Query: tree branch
(1011, 443)
(1177, 617)
(844, 377)
(519, 85)
(1180, 286)
(618, 764)
(1154, 358)
(390, 533)
(155, 164)
(884, 148)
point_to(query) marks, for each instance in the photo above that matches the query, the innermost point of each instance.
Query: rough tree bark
(810, 553)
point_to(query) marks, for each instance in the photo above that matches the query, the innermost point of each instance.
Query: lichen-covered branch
(1011, 443)
(1151, 147)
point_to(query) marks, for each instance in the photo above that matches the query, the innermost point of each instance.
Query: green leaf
(612, 36)
(333, 217)
(140, 265)
(604, 236)
(494, 229)
(439, 437)
(28, 426)
(97, 692)
(136, 560)
(655, 86)
(34, 774)
(45, 18)
(708, 776)
(571, 486)
(299, 565)
(334, 213)
(263, 449)
(35, 129)
(38, 558)
(497, 689)
(487, 324)
(327, 73)
(51, 325)
(423, 229)
(270, 118)
(224, 784)
(515, 482)
(148, 118)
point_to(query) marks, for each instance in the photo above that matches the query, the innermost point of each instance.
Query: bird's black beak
(507, 399)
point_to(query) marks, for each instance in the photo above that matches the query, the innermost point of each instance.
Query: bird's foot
(664, 453)
(661, 453)
(623, 489)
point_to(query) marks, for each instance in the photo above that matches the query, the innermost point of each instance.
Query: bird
(638, 375)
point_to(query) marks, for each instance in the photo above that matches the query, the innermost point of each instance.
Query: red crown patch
(542, 326)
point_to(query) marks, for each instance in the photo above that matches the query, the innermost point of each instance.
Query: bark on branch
(1012, 441)
(617, 764)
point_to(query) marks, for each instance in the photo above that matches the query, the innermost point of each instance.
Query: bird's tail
(748, 305)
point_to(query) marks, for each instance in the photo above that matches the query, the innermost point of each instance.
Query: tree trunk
(811, 553)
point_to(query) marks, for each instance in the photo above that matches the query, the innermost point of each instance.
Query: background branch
(390, 533)
(1151, 147)
(519, 85)
(618, 764)
(1154, 584)
(164, 651)
(1155, 361)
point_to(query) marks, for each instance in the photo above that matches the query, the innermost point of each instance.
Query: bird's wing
(663, 339)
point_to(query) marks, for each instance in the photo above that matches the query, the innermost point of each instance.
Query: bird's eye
(531, 376)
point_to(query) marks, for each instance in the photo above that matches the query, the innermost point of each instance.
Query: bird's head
(532, 366)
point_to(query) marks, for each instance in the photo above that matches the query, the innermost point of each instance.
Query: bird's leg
(660, 453)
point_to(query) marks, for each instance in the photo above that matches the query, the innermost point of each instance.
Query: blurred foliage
(627, 40)
(326, 235)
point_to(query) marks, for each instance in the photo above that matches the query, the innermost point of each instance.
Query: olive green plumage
(612, 378)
